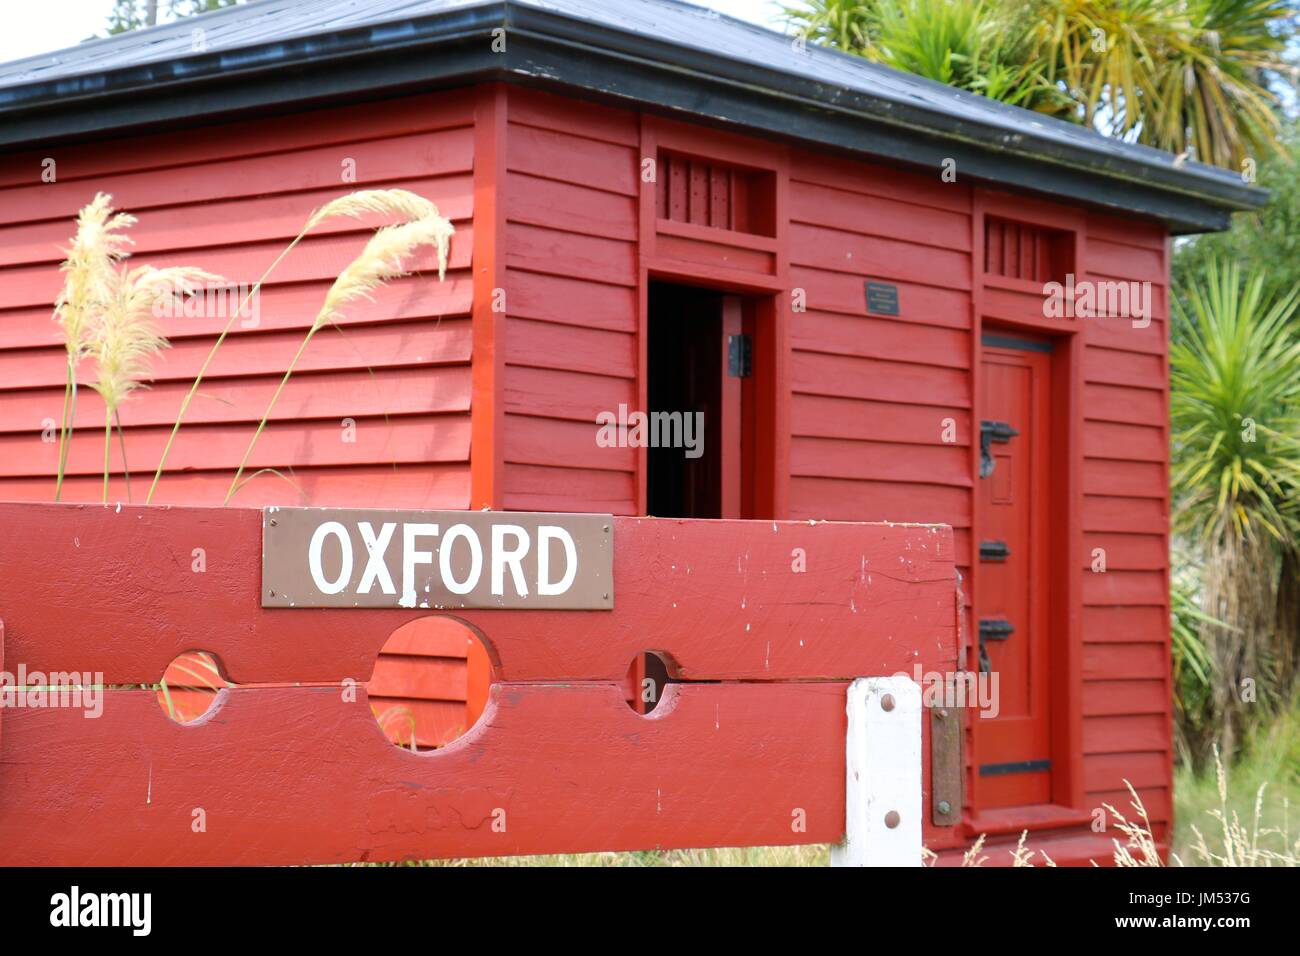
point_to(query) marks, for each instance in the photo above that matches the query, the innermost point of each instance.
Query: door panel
(1013, 750)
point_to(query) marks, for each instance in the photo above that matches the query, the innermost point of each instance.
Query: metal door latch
(992, 629)
(740, 356)
(992, 432)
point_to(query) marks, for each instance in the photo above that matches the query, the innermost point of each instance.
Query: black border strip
(1015, 766)
(1010, 342)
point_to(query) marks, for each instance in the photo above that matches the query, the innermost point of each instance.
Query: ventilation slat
(719, 194)
(1019, 250)
(703, 192)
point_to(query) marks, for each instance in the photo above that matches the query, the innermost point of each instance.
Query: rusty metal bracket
(946, 771)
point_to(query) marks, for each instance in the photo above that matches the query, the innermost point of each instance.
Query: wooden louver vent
(704, 192)
(1020, 250)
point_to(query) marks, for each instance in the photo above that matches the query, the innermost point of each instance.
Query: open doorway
(698, 358)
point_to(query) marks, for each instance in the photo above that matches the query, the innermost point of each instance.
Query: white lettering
(376, 570)
(501, 557)
(411, 557)
(545, 535)
(314, 557)
(475, 561)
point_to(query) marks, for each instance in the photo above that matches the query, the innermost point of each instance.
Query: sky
(43, 26)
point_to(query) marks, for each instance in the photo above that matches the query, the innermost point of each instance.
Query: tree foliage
(137, 14)
(1188, 76)
(1269, 238)
(1235, 475)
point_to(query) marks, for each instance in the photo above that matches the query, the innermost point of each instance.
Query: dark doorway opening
(685, 390)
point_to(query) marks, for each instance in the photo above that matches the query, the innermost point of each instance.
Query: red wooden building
(847, 270)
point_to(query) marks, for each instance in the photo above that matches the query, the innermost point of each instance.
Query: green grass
(1267, 776)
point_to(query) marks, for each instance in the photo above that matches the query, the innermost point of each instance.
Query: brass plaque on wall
(354, 557)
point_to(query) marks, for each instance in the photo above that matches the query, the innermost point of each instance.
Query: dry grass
(382, 260)
(90, 280)
(1227, 841)
(811, 855)
(1224, 841)
(400, 204)
(106, 313)
(90, 270)
(1140, 847)
(126, 336)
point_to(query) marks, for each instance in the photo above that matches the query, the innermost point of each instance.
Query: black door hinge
(994, 551)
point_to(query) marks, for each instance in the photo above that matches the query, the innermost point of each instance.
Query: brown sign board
(363, 558)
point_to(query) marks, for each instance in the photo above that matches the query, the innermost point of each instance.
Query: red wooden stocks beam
(88, 588)
(301, 775)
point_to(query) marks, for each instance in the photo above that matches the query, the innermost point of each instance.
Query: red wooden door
(1013, 749)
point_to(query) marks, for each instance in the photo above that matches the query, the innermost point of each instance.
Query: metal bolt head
(887, 702)
(945, 807)
(892, 819)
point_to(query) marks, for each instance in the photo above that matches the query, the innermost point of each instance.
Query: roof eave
(546, 48)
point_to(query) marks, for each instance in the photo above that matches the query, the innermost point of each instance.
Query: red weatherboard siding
(868, 394)
(552, 187)
(228, 199)
(871, 393)
(570, 201)
(420, 682)
(1126, 667)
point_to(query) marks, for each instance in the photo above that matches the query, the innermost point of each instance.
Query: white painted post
(883, 774)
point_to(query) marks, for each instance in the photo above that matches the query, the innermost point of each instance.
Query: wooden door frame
(766, 295)
(1065, 509)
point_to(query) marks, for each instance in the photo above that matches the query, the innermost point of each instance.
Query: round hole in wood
(190, 685)
(648, 676)
(430, 683)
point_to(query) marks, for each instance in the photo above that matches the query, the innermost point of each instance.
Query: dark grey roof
(271, 54)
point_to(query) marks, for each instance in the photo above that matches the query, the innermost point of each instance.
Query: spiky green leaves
(1234, 407)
